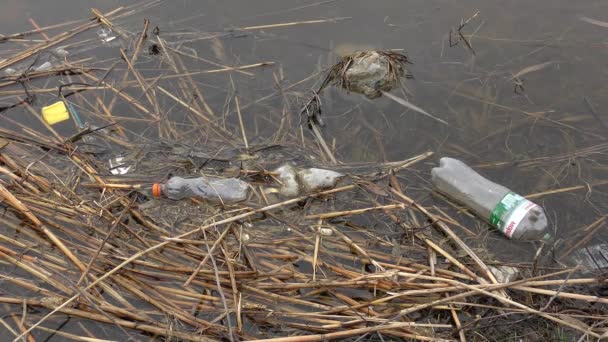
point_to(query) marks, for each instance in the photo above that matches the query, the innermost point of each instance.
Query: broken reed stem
(293, 23)
(325, 216)
(359, 331)
(322, 142)
(238, 112)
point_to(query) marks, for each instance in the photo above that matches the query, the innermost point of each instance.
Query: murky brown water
(532, 139)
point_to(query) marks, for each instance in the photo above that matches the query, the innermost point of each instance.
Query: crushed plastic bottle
(216, 190)
(294, 181)
(513, 215)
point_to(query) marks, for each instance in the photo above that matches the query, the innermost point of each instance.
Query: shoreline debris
(516, 217)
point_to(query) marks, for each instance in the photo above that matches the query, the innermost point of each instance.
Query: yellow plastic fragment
(57, 112)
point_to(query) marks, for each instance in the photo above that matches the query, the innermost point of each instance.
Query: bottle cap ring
(156, 190)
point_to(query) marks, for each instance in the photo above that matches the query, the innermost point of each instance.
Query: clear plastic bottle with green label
(512, 214)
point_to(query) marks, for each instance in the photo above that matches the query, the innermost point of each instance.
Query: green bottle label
(503, 208)
(509, 212)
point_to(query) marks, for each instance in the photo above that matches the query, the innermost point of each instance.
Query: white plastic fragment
(314, 179)
(294, 181)
(117, 167)
(289, 184)
(44, 66)
(60, 52)
(105, 35)
(326, 231)
(504, 274)
(10, 71)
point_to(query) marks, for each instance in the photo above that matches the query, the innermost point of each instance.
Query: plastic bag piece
(294, 181)
(314, 179)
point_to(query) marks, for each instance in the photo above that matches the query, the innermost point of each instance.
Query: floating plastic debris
(504, 274)
(513, 215)
(118, 167)
(318, 179)
(55, 113)
(369, 72)
(217, 190)
(294, 181)
(287, 175)
(326, 231)
(105, 35)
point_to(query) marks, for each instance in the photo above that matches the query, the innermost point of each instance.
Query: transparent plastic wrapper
(118, 166)
(106, 35)
(515, 216)
(295, 181)
(216, 190)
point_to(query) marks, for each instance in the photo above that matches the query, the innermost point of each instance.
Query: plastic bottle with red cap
(217, 190)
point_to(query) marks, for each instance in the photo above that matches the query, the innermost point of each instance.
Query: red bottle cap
(156, 190)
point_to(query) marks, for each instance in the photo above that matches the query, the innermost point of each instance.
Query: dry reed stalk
(354, 211)
(361, 331)
(483, 267)
(52, 42)
(590, 229)
(15, 203)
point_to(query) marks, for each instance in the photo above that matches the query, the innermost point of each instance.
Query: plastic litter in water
(294, 181)
(216, 190)
(513, 215)
(326, 231)
(369, 72)
(287, 175)
(55, 113)
(44, 66)
(105, 35)
(118, 167)
(314, 179)
(504, 274)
